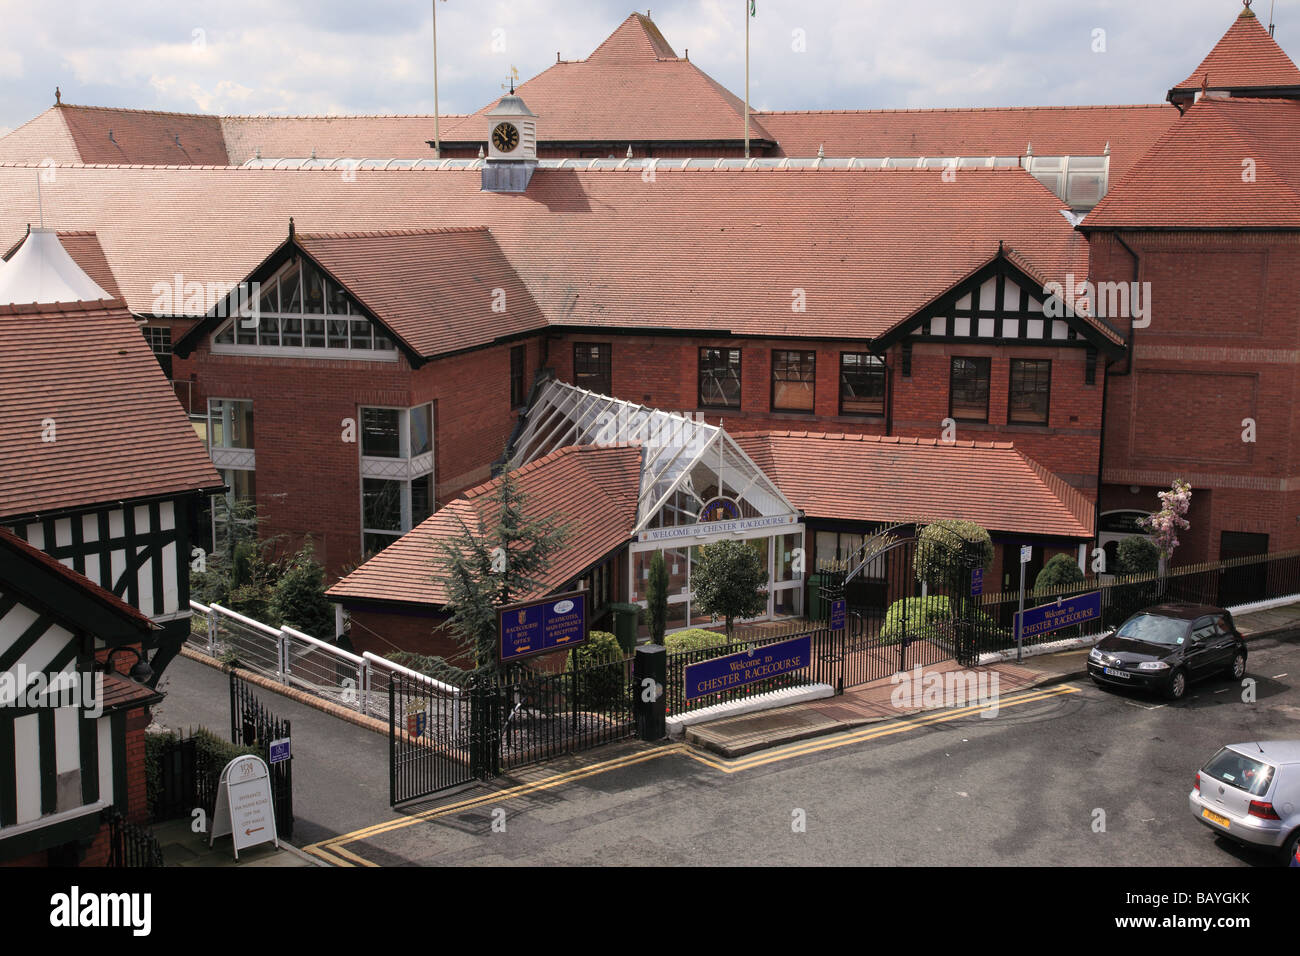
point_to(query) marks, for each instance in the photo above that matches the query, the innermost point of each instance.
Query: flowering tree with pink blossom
(1165, 524)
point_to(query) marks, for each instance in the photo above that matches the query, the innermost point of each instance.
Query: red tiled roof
(86, 252)
(122, 693)
(43, 139)
(21, 550)
(876, 478)
(691, 249)
(593, 489)
(119, 432)
(1195, 177)
(335, 137)
(634, 87)
(1052, 130)
(144, 136)
(436, 288)
(1246, 56)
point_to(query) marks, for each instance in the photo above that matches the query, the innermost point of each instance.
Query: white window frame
(404, 469)
(347, 353)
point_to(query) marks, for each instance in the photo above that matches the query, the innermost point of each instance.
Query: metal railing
(287, 655)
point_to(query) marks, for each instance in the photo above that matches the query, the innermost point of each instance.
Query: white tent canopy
(42, 273)
(686, 463)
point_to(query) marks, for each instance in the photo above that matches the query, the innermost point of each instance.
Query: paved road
(1022, 788)
(340, 770)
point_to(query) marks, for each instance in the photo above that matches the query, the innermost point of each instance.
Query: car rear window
(1155, 629)
(1240, 771)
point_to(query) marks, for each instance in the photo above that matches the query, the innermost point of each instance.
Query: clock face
(505, 137)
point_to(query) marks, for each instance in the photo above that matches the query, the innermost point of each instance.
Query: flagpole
(747, 2)
(437, 140)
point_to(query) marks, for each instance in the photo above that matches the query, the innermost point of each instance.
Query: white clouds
(328, 56)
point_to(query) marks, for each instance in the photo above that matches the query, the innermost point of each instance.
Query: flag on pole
(753, 8)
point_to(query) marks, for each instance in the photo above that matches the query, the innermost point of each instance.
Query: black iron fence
(131, 845)
(442, 736)
(1230, 583)
(252, 725)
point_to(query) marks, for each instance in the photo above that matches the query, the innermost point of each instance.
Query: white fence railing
(299, 660)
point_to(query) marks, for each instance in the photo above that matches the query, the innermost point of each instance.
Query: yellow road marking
(332, 850)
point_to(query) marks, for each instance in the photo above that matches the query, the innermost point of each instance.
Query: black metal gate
(908, 603)
(441, 737)
(429, 738)
(252, 725)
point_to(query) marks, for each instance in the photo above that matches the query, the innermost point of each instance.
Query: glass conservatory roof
(686, 463)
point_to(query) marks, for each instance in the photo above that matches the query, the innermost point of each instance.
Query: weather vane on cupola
(512, 79)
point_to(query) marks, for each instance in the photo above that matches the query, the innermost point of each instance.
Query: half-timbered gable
(63, 718)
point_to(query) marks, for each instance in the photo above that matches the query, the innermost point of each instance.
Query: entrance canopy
(695, 480)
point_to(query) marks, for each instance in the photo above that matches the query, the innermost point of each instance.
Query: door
(1247, 582)
(1200, 655)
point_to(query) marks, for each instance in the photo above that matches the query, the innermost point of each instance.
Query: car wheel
(1291, 848)
(1237, 669)
(1177, 688)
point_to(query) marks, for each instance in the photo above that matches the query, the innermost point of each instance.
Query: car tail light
(1264, 811)
(1197, 785)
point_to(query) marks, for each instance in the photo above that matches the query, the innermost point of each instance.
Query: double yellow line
(334, 850)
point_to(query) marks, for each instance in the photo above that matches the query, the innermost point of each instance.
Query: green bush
(1137, 555)
(940, 561)
(212, 753)
(298, 597)
(693, 639)
(1060, 570)
(601, 671)
(728, 577)
(930, 618)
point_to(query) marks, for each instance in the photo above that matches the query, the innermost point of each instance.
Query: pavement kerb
(310, 700)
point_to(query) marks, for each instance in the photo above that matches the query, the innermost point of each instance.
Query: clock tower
(512, 146)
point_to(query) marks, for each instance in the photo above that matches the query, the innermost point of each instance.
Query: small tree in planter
(727, 578)
(657, 598)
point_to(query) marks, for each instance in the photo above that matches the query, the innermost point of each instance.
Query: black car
(1166, 647)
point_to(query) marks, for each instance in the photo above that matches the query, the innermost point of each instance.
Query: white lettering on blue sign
(716, 527)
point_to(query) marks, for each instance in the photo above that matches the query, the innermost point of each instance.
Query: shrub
(212, 753)
(930, 618)
(298, 597)
(939, 560)
(657, 598)
(1137, 555)
(601, 671)
(693, 639)
(1060, 570)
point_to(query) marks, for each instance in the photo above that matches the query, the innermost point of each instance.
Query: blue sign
(977, 582)
(280, 750)
(539, 627)
(1064, 612)
(839, 609)
(746, 667)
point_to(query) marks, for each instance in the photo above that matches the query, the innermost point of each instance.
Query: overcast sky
(341, 56)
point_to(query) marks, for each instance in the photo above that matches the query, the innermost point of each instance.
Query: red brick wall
(1222, 346)
(664, 371)
(382, 632)
(308, 477)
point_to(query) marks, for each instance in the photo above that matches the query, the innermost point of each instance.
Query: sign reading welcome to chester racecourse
(746, 667)
(1062, 613)
(539, 627)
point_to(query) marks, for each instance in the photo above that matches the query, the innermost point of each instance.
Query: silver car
(1251, 793)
